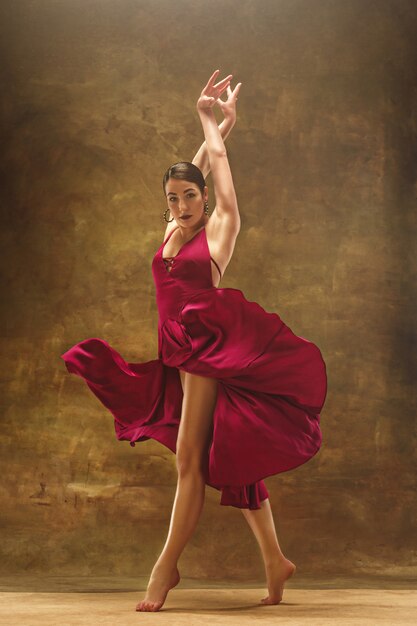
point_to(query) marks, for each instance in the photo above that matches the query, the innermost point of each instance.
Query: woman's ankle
(274, 556)
(166, 561)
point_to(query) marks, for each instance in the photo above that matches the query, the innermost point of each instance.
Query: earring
(165, 215)
(206, 207)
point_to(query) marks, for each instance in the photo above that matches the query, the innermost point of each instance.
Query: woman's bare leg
(278, 568)
(193, 442)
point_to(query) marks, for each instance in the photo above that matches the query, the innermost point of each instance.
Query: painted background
(98, 99)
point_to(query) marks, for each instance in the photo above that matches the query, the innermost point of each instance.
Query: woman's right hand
(211, 92)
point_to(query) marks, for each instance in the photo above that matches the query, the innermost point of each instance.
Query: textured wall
(98, 99)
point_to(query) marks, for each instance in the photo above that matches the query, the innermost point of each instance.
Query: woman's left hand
(229, 106)
(211, 92)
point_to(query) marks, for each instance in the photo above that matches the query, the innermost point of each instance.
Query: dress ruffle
(221, 334)
(272, 386)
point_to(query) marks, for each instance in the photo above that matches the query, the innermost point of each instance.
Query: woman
(234, 392)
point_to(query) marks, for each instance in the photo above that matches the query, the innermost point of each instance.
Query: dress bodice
(188, 273)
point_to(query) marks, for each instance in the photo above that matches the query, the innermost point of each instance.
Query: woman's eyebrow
(185, 190)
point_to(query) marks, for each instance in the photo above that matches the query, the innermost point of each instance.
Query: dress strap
(216, 266)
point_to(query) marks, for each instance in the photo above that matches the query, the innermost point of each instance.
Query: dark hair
(183, 170)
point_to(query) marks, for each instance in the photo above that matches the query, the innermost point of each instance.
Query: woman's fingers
(211, 80)
(213, 76)
(220, 85)
(225, 80)
(232, 95)
(218, 89)
(223, 83)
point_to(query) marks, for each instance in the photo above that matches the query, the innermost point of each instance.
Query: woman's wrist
(205, 112)
(226, 126)
(212, 133)
(228, 122)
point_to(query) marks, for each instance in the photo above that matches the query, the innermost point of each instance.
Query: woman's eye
(190, 195)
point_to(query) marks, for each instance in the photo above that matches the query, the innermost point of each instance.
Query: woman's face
(184, 198)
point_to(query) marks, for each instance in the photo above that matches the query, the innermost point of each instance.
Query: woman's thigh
(198, 404)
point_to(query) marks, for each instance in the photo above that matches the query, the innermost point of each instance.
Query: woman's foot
(161, 581)
(277, 572)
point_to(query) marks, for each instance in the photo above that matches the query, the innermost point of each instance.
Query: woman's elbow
(218, 154)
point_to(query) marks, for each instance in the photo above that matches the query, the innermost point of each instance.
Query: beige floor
(102, 602)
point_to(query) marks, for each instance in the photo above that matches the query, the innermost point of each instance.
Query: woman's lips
(185, 217)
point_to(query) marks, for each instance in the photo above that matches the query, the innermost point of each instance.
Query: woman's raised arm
(226, 201)
(201, 158)
(228, 107)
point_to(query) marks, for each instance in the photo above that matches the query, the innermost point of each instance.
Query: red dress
(272, 384)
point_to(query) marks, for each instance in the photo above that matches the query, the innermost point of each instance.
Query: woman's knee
(191, 458)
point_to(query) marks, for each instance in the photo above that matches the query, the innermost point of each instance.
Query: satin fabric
(272, 384)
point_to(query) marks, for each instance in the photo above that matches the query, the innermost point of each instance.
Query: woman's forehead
(179, 185)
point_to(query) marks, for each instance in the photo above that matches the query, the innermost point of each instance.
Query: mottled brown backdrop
(98, 99)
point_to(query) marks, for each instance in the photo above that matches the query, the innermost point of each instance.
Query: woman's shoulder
(171, 226)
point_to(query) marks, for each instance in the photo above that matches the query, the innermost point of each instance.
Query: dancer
(234, 393)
